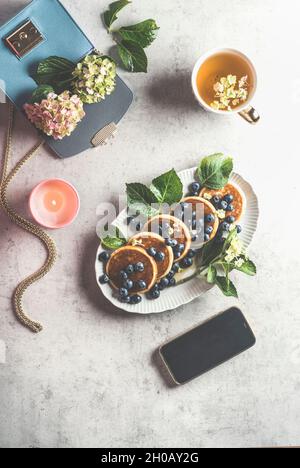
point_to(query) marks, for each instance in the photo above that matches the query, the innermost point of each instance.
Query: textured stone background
(89, 379)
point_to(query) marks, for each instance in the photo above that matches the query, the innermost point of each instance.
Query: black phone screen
(207, 346)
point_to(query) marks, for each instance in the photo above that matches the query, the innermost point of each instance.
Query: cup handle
(250, 115)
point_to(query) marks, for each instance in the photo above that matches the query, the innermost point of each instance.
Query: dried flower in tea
(230, 92)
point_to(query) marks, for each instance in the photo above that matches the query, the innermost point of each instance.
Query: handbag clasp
(24, 39)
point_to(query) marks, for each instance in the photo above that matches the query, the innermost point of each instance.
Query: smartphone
(207, 346)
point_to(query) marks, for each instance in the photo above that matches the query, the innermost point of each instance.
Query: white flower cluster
(95, 77)
(230, 92)
(234, 253)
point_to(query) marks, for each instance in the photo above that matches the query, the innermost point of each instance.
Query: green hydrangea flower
(95, 77)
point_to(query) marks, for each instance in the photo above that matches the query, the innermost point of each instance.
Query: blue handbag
(44, 28)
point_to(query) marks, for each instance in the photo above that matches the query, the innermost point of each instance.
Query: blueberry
(195, 187)
(125, 300)
(206, 237)
(172, 282)
(176, 267)
(180, 248)
(194, 224)
(191, 253)
(130, 269)
(225, 226)
(194, 215)
(154, 293)
(104, 256)
(209, 230)
(228, 198)
(216, 200)
(230, 208)
(128, 284)
(104, 279)
(186, 263)
(171, 274)
(223, 205)
(138, 226)
(195, 238)
(136, 299)
(194, 194)
(160, 256)
(169, 242)
(139, 267)
(177, 255)
(164, 283)
(230, 219)
(239, 229)
(152, 252)
(209, 218)
(123, 292)
(123, 275)
(141, 284)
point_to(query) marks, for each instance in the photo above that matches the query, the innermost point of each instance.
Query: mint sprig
(140, 199)
(131, 40)
(143, 33)
(214, 171)
(133, 56)
(113, 242)
(165, 189)
(110, 16)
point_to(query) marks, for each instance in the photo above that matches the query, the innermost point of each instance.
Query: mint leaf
(167, 188)
(110, 16)
(140, 198)
(227, 287)
(113, 243)
(214, 171)
(211, 274)
(40, 93)
(143, 33)
(133, 56)
(211, 252)
(55, 72)
(248, 267)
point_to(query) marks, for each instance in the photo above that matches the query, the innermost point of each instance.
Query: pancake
(208, 209)
(178, 230)
(130, 255)
(239, 201)
(149, 239)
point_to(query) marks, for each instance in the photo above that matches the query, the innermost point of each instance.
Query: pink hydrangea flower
(58, 115)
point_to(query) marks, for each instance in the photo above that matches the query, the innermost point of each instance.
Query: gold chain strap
(25, 224)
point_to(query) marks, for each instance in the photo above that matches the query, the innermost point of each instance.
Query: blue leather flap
(62, 36)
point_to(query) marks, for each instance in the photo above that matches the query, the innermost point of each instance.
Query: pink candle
(54, 203)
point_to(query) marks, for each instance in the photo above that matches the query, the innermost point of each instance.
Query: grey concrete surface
(89, 380)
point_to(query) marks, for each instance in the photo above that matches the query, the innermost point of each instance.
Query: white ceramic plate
(187, 292)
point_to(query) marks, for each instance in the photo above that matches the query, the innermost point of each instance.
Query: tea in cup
(224, 81)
